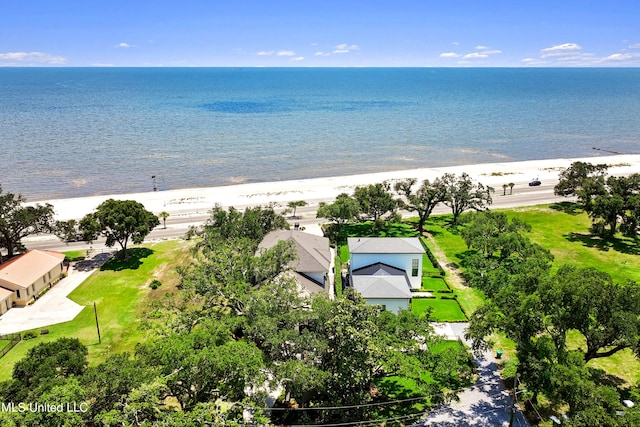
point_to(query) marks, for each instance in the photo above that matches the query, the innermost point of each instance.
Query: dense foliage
(239, 331)
(538, 308)
(18, 221)
(119, 221)
(608, 200)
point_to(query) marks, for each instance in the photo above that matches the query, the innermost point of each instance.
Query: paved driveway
(486, 404)
(54, 306)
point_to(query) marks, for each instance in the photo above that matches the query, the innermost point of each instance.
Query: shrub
(155, 284)
(29, 335)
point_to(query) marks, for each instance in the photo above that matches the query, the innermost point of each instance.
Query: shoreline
(193, 201)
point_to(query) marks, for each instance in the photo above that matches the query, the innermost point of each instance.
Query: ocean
(70, 132)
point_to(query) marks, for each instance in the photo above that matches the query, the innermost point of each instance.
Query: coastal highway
(178, 225)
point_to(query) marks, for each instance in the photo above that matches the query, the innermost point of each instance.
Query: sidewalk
(53, 307)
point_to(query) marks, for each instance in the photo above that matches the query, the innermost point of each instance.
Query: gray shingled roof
(381, 281)
(313, 251)
(385, 245)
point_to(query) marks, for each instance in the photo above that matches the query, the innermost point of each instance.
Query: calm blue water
(68, 132)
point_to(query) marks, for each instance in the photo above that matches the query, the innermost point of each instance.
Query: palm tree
(504, 189)
(164, 215)
(511, 184)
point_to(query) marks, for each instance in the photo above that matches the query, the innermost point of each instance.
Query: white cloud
(560, 50)
(455, 43)
(322, 54)
(297, 58)
(125, 45)
(618, 57)
(635, 46)
(475, 55)
(449, 55)
(345, 48)
(32, 58)
(481, 47)
(276, 53)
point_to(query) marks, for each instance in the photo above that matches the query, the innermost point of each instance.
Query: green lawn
(120, 295)
(568, 238)
(397, 387)
(365, 229)
(434, 283)
(75, 255)
(565, 232)
(444, 310)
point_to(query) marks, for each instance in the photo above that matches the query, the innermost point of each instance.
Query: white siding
(392, 305)
(401, 261)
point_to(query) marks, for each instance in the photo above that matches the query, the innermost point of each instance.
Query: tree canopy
(463, 194)
(608, 200)
(295, 205)
(344, 209)
(375, 200)
(18, 221)
(119, 221)
(425, 198)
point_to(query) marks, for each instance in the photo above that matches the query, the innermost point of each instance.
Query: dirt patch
(453, 274)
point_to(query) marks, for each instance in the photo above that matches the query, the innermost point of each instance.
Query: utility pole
(95, 311)
(513, 401)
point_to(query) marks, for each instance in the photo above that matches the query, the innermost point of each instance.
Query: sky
(315, 33)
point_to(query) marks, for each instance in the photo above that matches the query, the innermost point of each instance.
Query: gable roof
(313, 251)
(25, 269)
(378, 269)
(384, 245)
(380, 280)
(309, 284)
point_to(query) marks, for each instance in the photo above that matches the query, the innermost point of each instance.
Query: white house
(385, 269)
(403, 253)
(314, 265)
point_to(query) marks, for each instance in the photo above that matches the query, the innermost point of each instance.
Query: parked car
(534, 183)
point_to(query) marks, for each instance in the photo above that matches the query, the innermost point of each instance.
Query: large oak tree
(120, 221)
(18, 221)
(424, 199)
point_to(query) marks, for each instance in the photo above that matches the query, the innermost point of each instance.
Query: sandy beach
(197, 201)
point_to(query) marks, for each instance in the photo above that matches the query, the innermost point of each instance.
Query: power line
(388, 402)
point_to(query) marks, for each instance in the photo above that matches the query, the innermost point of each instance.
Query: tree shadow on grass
(570, 208)
(368, 229)
(464, 258)
(625, 246)
(132, 262)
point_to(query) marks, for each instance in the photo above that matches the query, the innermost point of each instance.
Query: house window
(33, 287)
(6, 304)
(28, 292)
(18, 293)
(414, 267)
